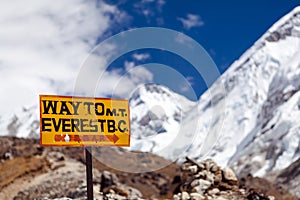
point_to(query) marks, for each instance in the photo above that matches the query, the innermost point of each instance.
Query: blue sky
(226, 29)
(44, 44)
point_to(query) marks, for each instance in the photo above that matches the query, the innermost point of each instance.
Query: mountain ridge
(254, 112)
(226, 125)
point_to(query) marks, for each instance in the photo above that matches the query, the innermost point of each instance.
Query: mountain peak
(259, 119)
(286, 26)
(155, 110)
(152, 89)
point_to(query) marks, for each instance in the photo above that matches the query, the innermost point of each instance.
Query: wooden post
(89, 172)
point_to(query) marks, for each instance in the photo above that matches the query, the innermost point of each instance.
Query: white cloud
(43, 44)
(191, 21)
(190, 80)
(147, 1)
(129, 65)
(187, 84)
(185, 41)
(141, 57)
(121, 84)
(160, 4)
(149, 7)
(184, 88)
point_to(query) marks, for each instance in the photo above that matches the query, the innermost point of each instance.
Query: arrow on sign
(86, 138)
(113, 138)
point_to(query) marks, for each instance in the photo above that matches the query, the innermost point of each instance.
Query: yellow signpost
(82, 121)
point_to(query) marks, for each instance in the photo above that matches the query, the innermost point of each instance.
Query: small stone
(176, 197)
(195, 183)
(223, 193)
(201, 166)
(185, 166)
(7, 156)
(214, 191)
(209, 197)
(220, 198)
(193, 169)
(196, 196)
(271, 198)
(229, 175)
(205, 184)
(198, 189)
(185, 196)
(214, 168)
(210, 163)
(134, 193)
(218, 177)
(200, 174)
(202, 187)
(242, 191)
(111, 191)
(210, 177)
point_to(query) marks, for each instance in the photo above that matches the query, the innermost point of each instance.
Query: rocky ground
(28, 171)
(206, 180)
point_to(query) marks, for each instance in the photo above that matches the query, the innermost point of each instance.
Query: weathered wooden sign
(82, 121)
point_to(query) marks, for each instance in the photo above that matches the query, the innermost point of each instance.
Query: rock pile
(206, 180)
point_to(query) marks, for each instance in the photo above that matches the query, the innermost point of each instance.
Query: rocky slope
(31, 172)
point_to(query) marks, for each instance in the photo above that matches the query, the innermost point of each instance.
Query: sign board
(83, 121)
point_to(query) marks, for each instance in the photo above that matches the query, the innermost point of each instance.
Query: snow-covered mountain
(156, 116)
(24, 124)
(248, 119)
(261, 129)
(273, 143)
(254, 125)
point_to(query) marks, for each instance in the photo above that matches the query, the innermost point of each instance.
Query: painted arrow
(86, 138)
(113, 138)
